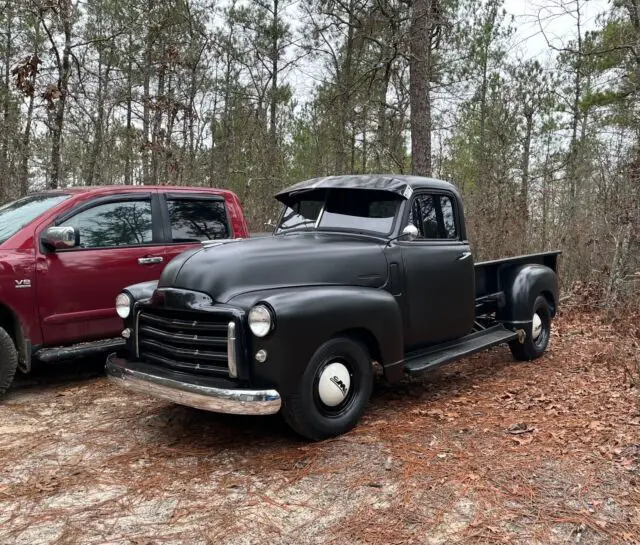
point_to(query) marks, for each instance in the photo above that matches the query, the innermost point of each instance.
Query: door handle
(464, 255)
(150, 260)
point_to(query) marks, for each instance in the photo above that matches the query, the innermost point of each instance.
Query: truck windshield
(342, 209)
(16, 214)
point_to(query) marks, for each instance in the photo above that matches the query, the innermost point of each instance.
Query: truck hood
(232, 268)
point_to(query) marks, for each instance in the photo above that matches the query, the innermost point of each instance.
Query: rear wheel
(537, 333)
(333, 391)
(8, 361)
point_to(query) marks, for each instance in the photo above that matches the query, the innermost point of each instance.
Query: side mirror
(61, 238)
(410, 232)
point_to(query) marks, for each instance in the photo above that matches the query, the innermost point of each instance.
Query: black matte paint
(393, 295)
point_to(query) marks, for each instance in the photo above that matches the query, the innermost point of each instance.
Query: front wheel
(8, 361)
(537, 333)
(333, 391)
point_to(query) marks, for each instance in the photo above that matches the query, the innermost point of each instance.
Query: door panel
(120, 246)
(439, 291)
(438, 274)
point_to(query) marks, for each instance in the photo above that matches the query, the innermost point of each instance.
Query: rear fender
(522, 285)
(305, 318)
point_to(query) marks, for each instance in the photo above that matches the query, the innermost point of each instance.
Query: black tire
(8, 361)
(304, 411)
(531, 348)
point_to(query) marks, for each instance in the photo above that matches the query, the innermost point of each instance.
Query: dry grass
(433, 461)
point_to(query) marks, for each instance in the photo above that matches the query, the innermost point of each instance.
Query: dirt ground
(483, 451)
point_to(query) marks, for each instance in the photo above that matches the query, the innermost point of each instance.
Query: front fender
(521, 286)
(305, 318)
(141, 291)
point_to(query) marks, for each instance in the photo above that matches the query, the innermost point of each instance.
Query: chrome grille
(195, 342)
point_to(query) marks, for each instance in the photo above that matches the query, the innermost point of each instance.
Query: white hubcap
(334, 384)
(536, 330)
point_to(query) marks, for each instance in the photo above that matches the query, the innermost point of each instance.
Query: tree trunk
(146, 95)
(156, 138)
(576, 113)
(94, 174)
(64, 69)
(25, 150)
(6, 101)
(345, 73)
(275, 54)
(526, 160)
(128, 141)
(420, 77)
(381, 137)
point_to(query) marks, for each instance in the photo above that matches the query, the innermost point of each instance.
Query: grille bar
(182, 338)
(188, 341)
(178, 324)
(186, 367)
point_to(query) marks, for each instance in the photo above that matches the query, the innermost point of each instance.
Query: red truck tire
(8, 361)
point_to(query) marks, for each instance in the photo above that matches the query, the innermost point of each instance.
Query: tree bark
(146, 95)
(420, 77)
(275, 55)
(381, 137)
(64, 71)
(345, 73)
(526, 160)
(128, 174)
(6, 100)
(156, 138)
(94, 174)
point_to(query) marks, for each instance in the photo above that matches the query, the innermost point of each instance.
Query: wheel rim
(540, 330)
(334, 388)
(536, 329)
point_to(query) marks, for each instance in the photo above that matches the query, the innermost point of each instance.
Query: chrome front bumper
(196, 394)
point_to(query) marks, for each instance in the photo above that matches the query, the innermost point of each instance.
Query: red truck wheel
(8, 361)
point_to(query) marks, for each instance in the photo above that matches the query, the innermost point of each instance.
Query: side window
(126, 223)
(434, 217)
(197, 220)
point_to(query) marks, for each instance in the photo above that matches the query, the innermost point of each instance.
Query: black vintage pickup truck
(360, 269)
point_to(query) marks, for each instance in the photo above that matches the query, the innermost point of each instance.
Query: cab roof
(400, 184)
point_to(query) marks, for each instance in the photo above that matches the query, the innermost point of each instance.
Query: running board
(424, 360)
(81, 350)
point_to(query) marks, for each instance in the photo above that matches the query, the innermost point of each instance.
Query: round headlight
(123, 305)
(260, 321)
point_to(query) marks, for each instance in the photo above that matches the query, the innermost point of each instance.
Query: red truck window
(16, 214)
(197, 220)
(114, 224)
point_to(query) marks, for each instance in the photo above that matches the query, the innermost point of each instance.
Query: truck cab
(65, 255)
(360, 269)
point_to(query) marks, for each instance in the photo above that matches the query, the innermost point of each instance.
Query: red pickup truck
(65, 256)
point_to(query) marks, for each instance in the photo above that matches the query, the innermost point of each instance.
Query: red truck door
(121, 243)
(193, 217)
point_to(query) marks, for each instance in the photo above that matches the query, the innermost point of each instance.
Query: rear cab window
(197, 218)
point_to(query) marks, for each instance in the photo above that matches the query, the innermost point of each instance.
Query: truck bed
(487, 273)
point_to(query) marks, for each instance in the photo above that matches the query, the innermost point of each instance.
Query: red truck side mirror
(61, 238)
